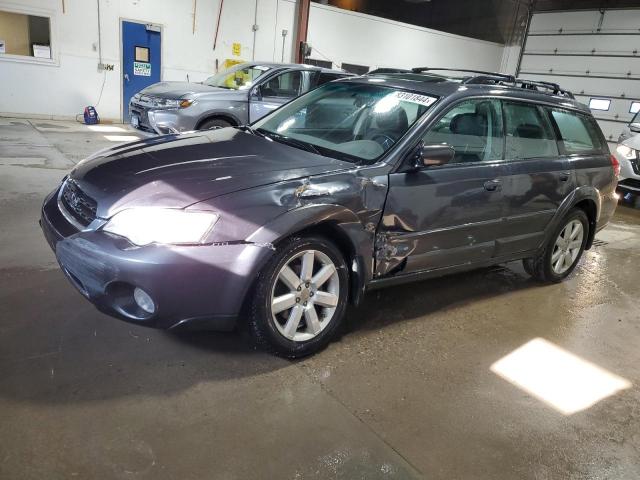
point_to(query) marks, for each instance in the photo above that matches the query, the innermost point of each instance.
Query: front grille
(78, 204)
(635, 164)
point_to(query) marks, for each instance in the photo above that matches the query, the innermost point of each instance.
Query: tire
(273, 328)
(215, 123)
(557, 259)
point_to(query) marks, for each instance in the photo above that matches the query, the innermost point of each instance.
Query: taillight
(616, 165)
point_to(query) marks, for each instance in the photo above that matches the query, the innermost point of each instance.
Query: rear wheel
(300, 297)
(213, 123)
(562, 251)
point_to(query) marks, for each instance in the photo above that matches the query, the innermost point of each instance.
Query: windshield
(636, 118)
(238, 77)
(350, 121)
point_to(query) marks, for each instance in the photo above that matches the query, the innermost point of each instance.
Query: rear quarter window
(578, 133)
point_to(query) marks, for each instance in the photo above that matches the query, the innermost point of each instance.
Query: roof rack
(535, 85)
(503, 77)
(491, 78)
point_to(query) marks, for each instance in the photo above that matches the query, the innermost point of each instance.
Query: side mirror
(256, 93)
(634, 127)
(433, 155)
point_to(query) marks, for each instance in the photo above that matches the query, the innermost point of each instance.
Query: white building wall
(351, 37)
(62, 87)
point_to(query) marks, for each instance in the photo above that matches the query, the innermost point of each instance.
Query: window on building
(353, 68)
(24, 35)
(318, 63)
(600, 104)
(635, 107)
(327, 77)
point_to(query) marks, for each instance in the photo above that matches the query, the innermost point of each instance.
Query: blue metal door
(140, 60)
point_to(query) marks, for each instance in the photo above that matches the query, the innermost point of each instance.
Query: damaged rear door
(438, 217)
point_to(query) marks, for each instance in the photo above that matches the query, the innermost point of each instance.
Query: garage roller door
(594, 54)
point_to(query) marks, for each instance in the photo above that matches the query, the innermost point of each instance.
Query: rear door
(276, 91)
(449, 215)
(141, 60)
(539, 177)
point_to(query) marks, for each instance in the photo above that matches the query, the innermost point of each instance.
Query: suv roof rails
(535, 85)
(503, 77)
(491, 78)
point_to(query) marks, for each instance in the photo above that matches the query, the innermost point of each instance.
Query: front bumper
(194, 286)
(160, 121)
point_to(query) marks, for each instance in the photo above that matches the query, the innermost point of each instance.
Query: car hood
(174, 90)
(633, 141)
(179, 170)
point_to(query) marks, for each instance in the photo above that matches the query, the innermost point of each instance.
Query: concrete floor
(408, 392)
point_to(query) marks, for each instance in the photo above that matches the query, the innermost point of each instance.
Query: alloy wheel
(567, 247)
(305, 295)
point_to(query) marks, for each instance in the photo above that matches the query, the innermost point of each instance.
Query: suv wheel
(213, 123)
(562, 251)
(300, 297)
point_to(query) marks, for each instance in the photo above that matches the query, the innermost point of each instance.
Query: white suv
(628, 154)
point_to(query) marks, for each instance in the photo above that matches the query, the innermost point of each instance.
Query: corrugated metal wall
(595, 54)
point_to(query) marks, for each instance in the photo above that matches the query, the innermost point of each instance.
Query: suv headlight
(627, 152)
(145, 225)
(169, 103)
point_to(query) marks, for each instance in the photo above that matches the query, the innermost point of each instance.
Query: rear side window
(528, 132)
(579, 133)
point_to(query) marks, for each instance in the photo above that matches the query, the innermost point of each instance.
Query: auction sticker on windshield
(425, 100)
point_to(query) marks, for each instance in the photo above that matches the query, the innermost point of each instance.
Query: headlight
(145, 225)
(626, 152)
(168, 103)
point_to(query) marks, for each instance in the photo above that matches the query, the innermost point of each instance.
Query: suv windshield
(349, 121)
(239, 77)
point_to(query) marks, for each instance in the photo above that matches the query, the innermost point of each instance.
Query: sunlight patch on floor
(557, 377)
(121, 138)
(106, 128)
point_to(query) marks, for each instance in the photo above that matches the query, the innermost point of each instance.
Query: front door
(140, 60)
(276, 91)
(449, 215)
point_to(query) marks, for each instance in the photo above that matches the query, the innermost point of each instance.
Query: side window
(578, 133)
(473, 128)
(285, 85)
(528, 131)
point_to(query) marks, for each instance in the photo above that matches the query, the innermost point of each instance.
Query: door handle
(564, 176)
(126, 77)
(493, 185)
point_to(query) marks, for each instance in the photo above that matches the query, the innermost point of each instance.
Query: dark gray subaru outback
(361, 183)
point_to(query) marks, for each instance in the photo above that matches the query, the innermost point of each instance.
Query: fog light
(143, 300)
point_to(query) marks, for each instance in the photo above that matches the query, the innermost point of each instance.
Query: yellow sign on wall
(236, 49)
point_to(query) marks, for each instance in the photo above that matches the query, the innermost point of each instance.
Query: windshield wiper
(288, 141)
(251, 130)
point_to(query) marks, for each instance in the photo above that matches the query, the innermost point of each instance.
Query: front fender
(337, 222)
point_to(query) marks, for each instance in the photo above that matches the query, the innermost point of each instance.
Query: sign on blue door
(140, 60)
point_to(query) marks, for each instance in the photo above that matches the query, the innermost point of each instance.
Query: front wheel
(300, 297)
(214, 123)
(562, 251)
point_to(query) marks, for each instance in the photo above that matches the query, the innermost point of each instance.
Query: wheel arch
(235, 121)
(591, 210)
(586, 199)
(336, 223)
